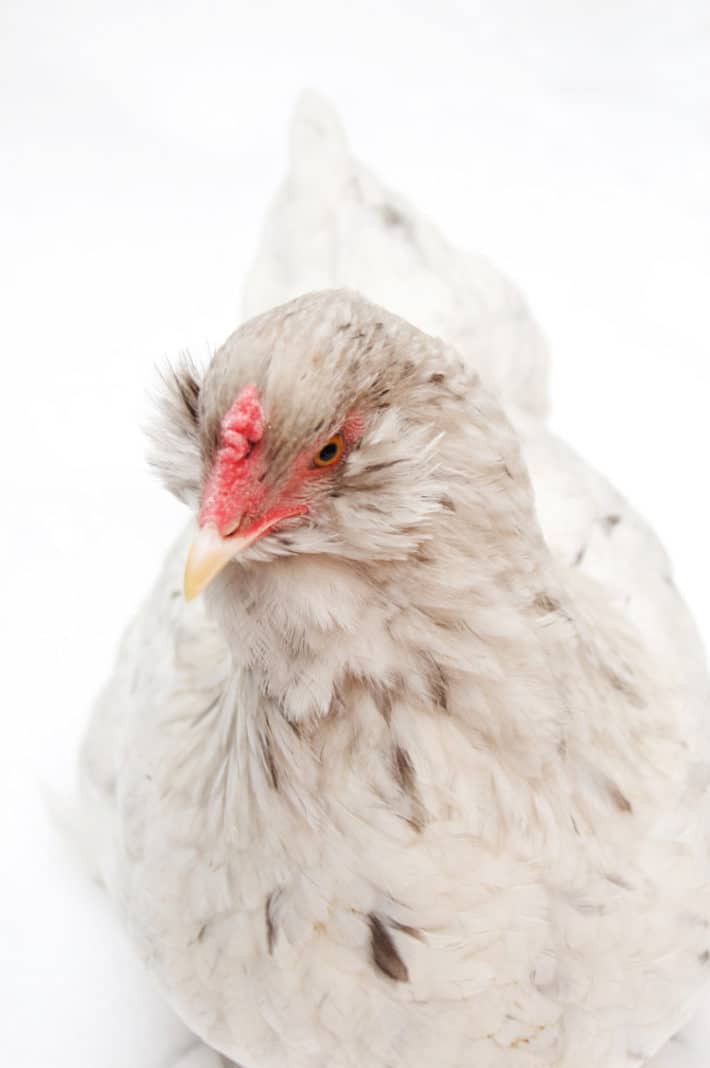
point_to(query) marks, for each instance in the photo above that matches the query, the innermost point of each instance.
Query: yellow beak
(208, 555)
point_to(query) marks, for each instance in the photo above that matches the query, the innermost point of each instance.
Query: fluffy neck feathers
(461, 616)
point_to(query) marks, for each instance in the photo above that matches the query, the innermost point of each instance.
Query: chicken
(416, 772)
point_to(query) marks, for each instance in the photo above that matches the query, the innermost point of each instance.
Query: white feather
(489, 740)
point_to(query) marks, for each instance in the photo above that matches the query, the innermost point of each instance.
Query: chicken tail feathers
(335, 225)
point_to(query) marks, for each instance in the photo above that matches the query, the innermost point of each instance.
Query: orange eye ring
(329, 453)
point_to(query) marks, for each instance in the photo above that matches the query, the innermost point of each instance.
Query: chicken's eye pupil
(330, 453)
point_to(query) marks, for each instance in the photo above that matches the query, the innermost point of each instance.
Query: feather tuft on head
(174, 432)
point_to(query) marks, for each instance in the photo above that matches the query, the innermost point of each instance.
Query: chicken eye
(330, 453)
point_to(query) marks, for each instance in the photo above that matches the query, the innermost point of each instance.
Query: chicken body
(422, 779)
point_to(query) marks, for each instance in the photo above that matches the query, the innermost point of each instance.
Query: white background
(569, 140)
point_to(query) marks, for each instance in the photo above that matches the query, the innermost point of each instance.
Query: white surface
(568, 142)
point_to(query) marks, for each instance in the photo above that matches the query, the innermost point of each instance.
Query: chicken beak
(208, 555)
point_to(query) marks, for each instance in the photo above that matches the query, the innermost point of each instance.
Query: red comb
(243, 424)
(229, 485)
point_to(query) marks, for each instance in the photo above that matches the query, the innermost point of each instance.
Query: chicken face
(237, 507)
(324, 427)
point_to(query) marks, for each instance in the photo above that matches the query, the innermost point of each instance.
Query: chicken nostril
(231, 527)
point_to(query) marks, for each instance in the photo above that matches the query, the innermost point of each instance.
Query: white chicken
(421, 778)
